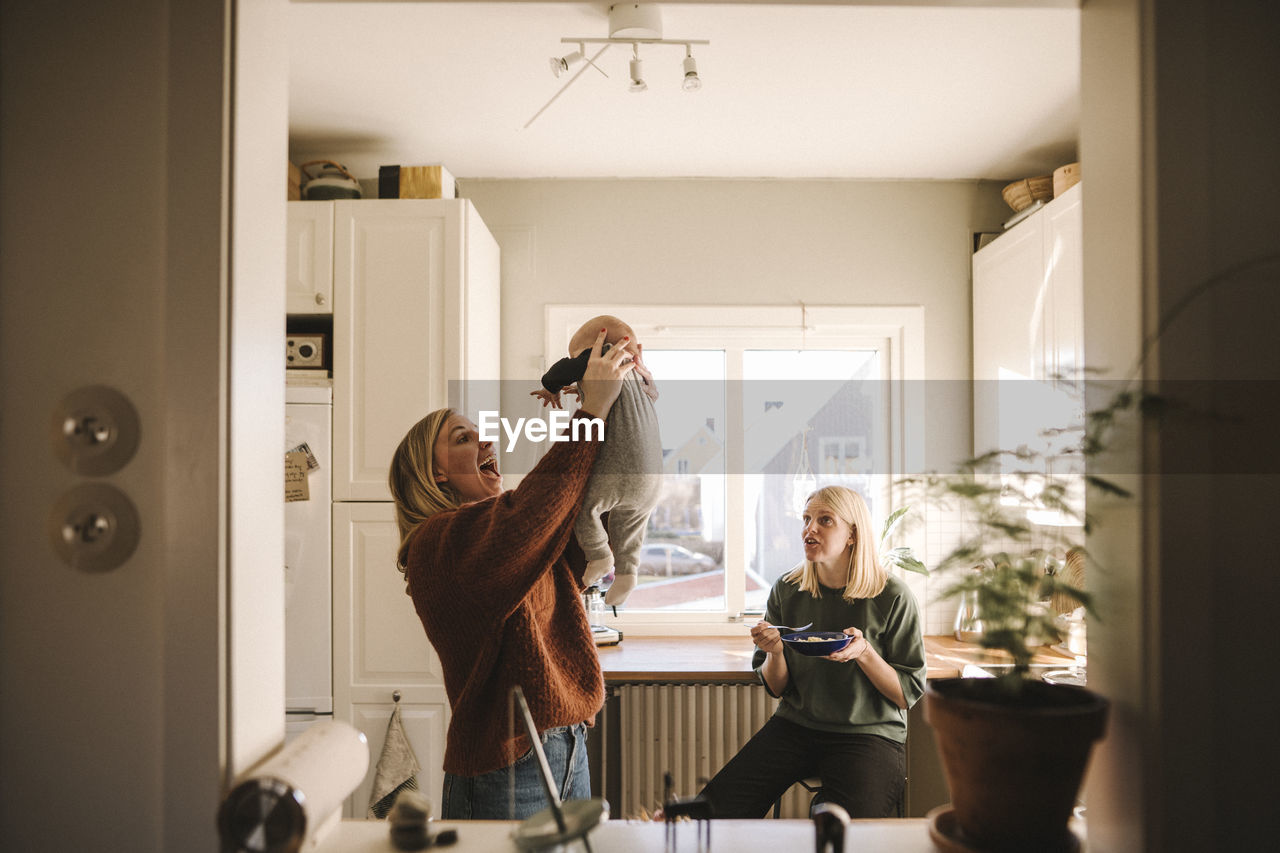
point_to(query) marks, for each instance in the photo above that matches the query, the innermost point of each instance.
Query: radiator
(691, 731)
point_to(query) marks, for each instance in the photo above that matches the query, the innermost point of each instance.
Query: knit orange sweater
(497, 585)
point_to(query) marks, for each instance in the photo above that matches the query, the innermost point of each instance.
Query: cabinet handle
(319, 298)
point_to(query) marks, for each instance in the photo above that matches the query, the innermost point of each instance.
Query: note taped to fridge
(313, 464)
(295, 477)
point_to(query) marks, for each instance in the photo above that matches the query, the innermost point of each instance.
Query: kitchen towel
(397, 768)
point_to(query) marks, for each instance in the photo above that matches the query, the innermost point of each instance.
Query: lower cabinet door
(380, 648)
(424, 724)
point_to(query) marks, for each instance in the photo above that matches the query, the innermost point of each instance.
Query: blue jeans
(489, 795)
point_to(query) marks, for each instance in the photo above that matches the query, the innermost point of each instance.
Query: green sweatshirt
(837, 697)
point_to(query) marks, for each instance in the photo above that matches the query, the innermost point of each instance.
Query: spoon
(783, 629)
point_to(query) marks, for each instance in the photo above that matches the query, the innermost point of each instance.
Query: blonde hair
(413, 479)
(865, 577)
(585, 337)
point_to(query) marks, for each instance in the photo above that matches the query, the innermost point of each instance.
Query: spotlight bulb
(637, 76)
(560, 64)
(692, 82)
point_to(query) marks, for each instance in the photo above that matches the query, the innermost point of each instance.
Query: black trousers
(864, 774)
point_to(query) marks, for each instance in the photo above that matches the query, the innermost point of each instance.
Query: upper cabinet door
(1064, 270)
(1027, 328)
(393, 261)
(309, 265)
(407, 322)
(477, 315)
(1008, 336)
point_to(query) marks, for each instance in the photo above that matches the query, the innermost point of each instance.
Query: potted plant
(1014, 748)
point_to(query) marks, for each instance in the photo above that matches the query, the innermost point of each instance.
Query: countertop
(728, 659)
(625, 836)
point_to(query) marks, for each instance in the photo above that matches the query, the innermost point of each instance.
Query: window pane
(812, 418)
(682, 562)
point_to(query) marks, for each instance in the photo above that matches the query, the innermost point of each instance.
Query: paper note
(295, 477)
(313, 464)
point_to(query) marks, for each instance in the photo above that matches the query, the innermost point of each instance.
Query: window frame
(897, 331)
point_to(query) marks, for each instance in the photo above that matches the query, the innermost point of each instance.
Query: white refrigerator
(308, 557)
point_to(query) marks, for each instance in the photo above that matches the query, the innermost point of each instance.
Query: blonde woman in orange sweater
(496, 579)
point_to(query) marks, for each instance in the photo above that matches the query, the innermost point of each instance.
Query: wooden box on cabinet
(416, 327)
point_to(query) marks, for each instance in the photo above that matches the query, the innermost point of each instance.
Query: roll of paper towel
(287, 801)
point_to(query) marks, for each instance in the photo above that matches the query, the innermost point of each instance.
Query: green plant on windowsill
(901, 556)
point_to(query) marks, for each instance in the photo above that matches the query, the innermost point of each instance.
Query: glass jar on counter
(968, 625)
(594, 602)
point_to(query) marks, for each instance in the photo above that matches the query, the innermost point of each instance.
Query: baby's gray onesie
(625, 482)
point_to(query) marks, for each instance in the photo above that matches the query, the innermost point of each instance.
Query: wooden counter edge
(728, 659)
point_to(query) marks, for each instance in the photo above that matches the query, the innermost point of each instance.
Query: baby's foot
(597, 569)
(619, 590)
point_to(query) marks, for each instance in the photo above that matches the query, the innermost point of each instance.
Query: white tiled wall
(945, 528)
(931, 533)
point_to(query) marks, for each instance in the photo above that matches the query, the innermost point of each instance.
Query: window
(757, 407)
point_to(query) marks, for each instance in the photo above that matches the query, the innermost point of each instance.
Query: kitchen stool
(813, 785)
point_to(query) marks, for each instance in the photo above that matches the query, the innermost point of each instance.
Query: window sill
(728, 659)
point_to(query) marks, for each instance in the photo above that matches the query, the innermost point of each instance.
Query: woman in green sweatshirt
(842, 717)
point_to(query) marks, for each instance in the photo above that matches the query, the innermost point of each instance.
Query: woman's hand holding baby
(602, 381)
(650, 387)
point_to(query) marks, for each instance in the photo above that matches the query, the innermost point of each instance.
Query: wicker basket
(1020, 194)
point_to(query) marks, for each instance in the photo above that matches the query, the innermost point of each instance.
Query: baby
(627, 476)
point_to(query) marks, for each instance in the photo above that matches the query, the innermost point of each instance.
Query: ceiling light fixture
(629, 23)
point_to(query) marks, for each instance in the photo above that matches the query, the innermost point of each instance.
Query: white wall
(131, 696)
(750, 242)
(255, 383)
(742, 242)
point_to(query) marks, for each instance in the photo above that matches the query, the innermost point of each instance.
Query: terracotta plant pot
(1014, 764)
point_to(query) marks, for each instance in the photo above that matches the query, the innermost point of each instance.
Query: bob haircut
(865, 577)
(413, 479)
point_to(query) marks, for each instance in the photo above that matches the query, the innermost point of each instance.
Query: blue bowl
(817, 644)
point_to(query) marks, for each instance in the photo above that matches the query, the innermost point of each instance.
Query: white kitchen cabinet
(415, 327)
(1064, 269)
(309, 264)
(380, 648)
(1028, 351)
(424, 725)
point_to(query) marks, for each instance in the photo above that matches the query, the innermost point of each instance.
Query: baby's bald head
(615, 330)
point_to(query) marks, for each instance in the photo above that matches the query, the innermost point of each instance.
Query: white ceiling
(789, 91)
